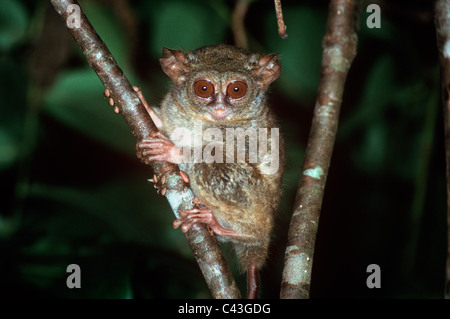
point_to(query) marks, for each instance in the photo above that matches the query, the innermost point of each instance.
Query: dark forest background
(73, 192)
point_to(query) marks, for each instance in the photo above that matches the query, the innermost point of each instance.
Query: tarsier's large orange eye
(236, 89)
(203, 89)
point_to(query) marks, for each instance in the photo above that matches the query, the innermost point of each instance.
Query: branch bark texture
(204, 245)
(339, 50)
(442, 22)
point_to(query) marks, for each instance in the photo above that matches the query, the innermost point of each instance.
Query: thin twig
(339, 51)
(204, 246)
(238, 25)
(442, 21)
(280, 21)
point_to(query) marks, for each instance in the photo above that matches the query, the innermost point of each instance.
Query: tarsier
(222, 87)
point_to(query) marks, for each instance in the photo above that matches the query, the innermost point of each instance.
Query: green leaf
(13, 23)
(137, 215)
(372, 151)
(184, 25)
(371, 154)
(9, 149)
(378, 92)
(301, 53)
(76, 100)
(110, 30)
(386, 32)
(13, 94)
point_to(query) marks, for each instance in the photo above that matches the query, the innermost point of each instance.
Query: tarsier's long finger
(153, 151)
(156, 141)
(188, 225)
(153, 115)
(111, 102)
(159, 135)
(154, 158)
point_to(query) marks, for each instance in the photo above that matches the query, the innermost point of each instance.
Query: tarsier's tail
(252, 258)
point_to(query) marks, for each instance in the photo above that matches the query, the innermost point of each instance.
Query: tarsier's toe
(197, 201)
(184, 223)
(158, 135)
(160, 183)
(178, 222)
(185, 177)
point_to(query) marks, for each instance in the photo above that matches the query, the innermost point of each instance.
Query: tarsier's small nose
(219, 109)
(219, 101)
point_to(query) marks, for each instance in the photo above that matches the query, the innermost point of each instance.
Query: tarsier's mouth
(219, 113)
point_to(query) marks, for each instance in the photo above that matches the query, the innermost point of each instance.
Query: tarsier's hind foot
(160, 182)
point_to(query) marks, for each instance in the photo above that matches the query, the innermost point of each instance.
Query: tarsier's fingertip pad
(184, 176)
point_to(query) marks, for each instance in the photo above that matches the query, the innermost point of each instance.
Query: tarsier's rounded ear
(174, 64)
(268, 69)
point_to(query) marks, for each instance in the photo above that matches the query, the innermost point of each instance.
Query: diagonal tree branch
(339, 50)
(204, 246)
(442, 21)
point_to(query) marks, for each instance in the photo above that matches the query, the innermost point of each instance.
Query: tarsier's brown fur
(242, 197)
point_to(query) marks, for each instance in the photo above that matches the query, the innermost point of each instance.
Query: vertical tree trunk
(339, 50)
